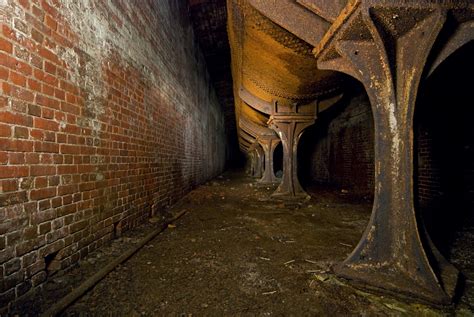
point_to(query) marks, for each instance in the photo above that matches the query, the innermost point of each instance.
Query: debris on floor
(252, 256)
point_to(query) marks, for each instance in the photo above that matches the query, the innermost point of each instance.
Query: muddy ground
(239, 252)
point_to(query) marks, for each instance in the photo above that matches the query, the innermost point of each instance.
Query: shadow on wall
(338, 151)
(445, 149)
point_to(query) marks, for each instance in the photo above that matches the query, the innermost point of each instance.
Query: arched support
(387, 47)
(290, 127)
(268, 144)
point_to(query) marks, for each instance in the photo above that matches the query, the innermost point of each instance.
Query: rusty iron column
(290, 127)
(252, 163)
(268, 144)
(386, 45)
(260, 160)
(248, 165)
(257, 159)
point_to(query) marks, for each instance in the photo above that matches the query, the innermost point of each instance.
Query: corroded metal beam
(272, 62)
(250, 139)
(389, 46)
(255, 102)
(295, 18)
(254, 129)
(328, 10)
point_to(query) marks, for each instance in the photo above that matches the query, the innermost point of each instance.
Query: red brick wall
(106, 117)
(340, 147)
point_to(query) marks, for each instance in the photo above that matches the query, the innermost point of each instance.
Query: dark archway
(278, 160)
(444, 151)
(338, 150)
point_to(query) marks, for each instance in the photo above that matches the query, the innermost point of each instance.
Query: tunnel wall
(340, 147)
(107, 116)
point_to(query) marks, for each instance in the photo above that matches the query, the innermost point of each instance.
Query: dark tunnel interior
(236, 158)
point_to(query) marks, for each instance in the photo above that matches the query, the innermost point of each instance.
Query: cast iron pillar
(248, 165)
(257, 158)
(386, 45)
(290, 127)
(253, 163)
(268, 144)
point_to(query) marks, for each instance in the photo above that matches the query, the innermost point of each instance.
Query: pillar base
(284, 195)
(393, 280)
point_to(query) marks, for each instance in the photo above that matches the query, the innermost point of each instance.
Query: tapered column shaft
(290, 128)
(387, 51)
(268, 145)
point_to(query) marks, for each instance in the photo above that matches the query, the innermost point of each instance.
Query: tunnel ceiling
(209, 18)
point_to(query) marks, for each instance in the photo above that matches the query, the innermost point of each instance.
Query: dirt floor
(239, 252)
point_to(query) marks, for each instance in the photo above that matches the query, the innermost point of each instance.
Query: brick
(28, 259)
(44, 205)
(19, 106)
(45, 228)
(21, 133)
(8, 185)
(34, 110)
(5, 130)
(43, 216)
(41, 170)
(13, 171)
(44, 124)
(4, 73)
(12, 266)
(9, 199)
(18, 79)
(37, 11)
(49, 9)
(23, 288)
(37, 36)
(25, 4)
(16, 118)
(43, 193)
(16, 146)
(38, 278)
(16, 158)
(34, 85)
(22, 53)
(31, 245)
(6, 46)
(30, 233)
(50, 68)
(6, 255)
(57, 234)
(46, 147)
(47, 113)
(51, 248)
(32, 158)
(47, 102)
(45, 53)
(53, 180)
(51, 23)
(3, 158)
